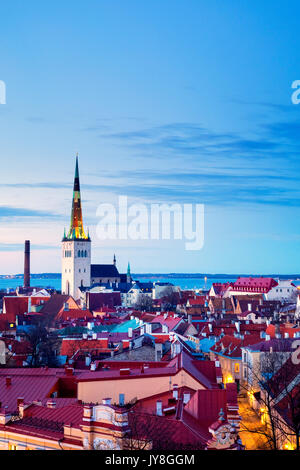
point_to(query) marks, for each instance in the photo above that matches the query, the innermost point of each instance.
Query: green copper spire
(76, 168)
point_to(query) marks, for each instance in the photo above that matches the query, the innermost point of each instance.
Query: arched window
(85, 254)
(78, 253)
(82, 254)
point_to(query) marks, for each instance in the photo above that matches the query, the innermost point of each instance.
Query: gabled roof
(171, 322)
(205, 372)
(48, 423)
(56, 303)
(70, 346)
(73, 314)
(220, 288)
(198, 300)
(101, 299)
(291, 330)
(277, 345)
(15, 305)
(230, 346)
(104, 270)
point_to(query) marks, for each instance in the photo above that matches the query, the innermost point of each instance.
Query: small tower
(76, 248)
(128, 276)
(27, 264)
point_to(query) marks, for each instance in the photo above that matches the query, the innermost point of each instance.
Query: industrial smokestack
(27, 264)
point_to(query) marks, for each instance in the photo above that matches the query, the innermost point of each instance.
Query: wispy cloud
(198, 165)
(194, 142)
(10, 211)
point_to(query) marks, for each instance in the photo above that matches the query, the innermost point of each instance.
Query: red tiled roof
(15, 306)
(55, 304)
(230, 346)
(284, 328)
(205, 372)
(73, 314)
(5, 321)
(70, 346)
(199, 300)
(17, 347)
(31, 384)
(165, 433)
(205, 405)
(255, 283)
(67, 414)
(170, 322)
(161, 337)
(221, 288)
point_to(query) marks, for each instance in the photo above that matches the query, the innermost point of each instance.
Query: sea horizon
(191, 281)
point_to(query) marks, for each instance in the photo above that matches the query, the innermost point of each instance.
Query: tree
(43, 346)
(169, 298)
(144, 303)
(274, 385)
(147, 431)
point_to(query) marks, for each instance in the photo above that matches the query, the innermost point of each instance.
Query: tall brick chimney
(27, 264)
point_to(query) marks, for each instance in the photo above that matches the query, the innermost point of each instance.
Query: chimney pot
(51, 404)
(106, 401)
(121, 399)
(186, 398)
(20, 401)
(69, 371)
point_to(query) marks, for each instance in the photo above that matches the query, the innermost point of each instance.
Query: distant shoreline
(164, 275)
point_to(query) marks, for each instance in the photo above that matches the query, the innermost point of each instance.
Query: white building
(285, 291)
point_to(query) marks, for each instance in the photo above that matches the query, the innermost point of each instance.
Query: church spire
(76, 231)
(128, 275)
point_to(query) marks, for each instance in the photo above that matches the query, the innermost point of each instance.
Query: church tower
(76, 248)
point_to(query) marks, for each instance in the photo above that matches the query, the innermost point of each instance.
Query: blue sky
(165, 101)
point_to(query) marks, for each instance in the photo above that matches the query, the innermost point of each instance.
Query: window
(12, 447)
(80, 270)
(78, 253)
(85, 253)
(237, 368)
